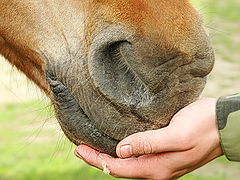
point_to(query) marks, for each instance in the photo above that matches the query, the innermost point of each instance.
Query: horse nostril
(112, 74)
(114, 49)
(117, 55)
(127, 57)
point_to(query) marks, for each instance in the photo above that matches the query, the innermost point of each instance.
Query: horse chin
(106, 122)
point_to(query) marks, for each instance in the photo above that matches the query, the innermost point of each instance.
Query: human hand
(190, 141)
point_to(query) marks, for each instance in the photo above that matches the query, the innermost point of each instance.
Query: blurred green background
(32, 146)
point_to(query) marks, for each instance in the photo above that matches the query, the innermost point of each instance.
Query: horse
(110, 67)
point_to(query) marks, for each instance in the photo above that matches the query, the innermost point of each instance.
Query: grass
(193, 177)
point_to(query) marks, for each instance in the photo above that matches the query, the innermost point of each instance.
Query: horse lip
(75, 123)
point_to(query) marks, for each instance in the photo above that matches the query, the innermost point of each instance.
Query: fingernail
(126, 151)
(77, 154)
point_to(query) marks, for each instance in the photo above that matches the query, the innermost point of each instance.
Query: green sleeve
(228, 120)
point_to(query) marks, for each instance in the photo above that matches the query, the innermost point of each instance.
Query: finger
(89, 155)
(149, 142)
(140, 167)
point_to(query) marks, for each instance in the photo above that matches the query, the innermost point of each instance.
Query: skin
(189, 142)
(110, 67)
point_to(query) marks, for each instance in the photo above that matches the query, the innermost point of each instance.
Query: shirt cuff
(228, 121)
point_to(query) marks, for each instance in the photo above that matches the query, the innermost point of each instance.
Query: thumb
(150, 142)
